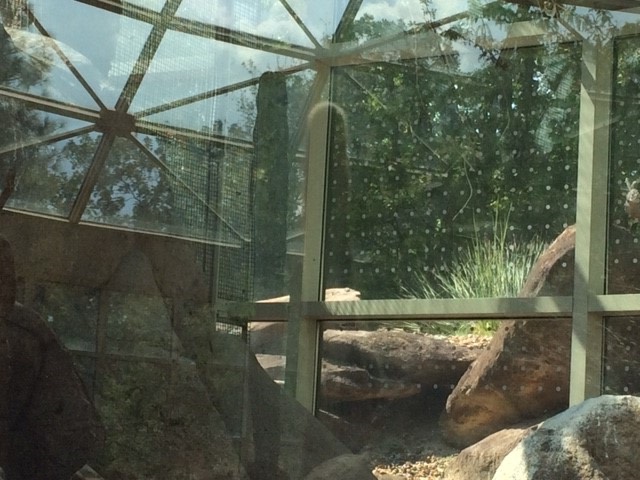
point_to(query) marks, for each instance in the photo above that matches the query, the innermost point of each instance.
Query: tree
(439, 144)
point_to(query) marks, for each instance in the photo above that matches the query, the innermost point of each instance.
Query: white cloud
(412, 11)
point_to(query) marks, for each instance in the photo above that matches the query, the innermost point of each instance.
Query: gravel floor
(407, 444)
(431, 468)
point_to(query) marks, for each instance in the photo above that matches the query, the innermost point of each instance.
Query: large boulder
(347, 383)
(481, 460)
(369, 365)
(49, 426)
(361, 365)
(524, 373)
(596, 439)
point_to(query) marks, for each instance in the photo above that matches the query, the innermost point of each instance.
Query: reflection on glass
(103, 46)
(49, 175)
(453, 158)
(151, 4)
(44, 58)
(72, 312)
(166, 410)
(320, 18)
(163, 185)
(179, 70)
(452, 150)
(140, 325)
(267, 341)
(230, 115)
(266, 18)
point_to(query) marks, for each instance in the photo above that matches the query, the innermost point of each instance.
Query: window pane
(418, 391)
(620, 375)
(449, 165)
(181, 179)
(624, 203)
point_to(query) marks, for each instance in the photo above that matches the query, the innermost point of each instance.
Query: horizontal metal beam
(539, 308)
(51, 106)
(615, 305)
(121, 228)
(153, 128)
(440, 309)
(153, 233)
(244, 39)
(205, 30)
(46, 140)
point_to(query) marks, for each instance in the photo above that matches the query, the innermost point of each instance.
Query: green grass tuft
(494, 267)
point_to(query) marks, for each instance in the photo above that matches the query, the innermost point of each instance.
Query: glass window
(624, 198)
(620, 370)
(213, 207)
(461, 155)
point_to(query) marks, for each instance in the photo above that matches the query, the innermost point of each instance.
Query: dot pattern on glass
(624, 199)
(442, 164)
(621, 353)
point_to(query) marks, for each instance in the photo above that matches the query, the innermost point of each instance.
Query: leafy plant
(490, 267)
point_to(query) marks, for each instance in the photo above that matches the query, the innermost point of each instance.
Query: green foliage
(489, 267)
(439, 142)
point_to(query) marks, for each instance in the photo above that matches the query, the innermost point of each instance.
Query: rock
(353, 435)
(481, 460)
(596, 439)
(344, 383)
(274, 365)
(552, 274)
(50, 427)
(524, 373)
(268, 338)
(389, 364)
(359, 365)
(54, 427)
(344, 467)
(330, 295)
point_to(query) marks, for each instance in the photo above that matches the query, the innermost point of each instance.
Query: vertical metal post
(591, 221)
(302, 333)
